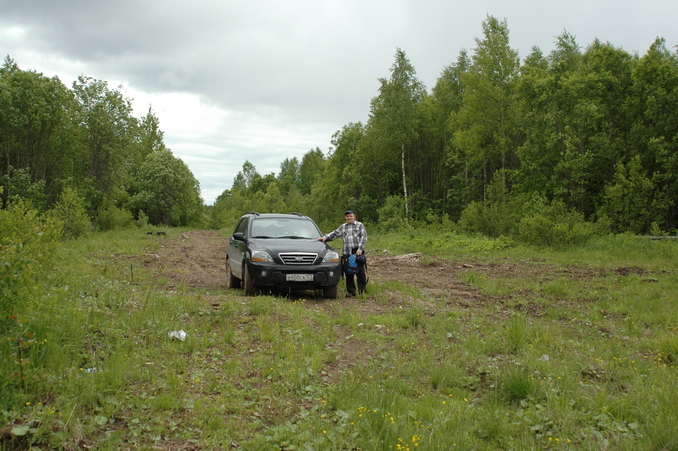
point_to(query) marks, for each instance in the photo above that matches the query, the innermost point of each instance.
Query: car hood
(274, 246)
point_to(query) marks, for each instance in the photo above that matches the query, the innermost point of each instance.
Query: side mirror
(239, 236)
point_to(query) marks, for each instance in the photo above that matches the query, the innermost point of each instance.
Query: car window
(284, 227)
(261, 228)
(309, 230)
(242, 226)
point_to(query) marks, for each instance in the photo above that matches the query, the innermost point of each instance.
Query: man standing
(355, 239)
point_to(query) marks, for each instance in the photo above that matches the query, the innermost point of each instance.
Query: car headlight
(331, 257)
(261, 256)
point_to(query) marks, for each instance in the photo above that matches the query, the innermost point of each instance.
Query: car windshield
(292, 228)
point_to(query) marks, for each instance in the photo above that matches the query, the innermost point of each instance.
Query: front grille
(298, 258)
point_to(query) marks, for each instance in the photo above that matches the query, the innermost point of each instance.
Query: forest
(548, 149)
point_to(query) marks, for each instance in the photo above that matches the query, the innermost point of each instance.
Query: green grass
(582, 353)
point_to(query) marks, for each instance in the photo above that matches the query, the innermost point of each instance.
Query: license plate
(299, 277)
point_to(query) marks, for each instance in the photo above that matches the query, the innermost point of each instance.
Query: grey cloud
(306, 67)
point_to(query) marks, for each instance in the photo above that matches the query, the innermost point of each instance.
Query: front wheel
(247, 284)
(231, 280)
(331, 292)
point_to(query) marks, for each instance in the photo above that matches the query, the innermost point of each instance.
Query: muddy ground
(196, 259)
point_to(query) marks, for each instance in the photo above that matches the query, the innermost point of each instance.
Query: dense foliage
(82, 148)
(588, 134)
(499, 145)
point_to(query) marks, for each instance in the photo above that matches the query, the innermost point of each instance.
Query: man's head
(350, 216)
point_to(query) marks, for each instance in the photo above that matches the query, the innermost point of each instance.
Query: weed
(516, 384)
(516, 333)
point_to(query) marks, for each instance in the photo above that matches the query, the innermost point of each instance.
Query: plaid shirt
(354, 235)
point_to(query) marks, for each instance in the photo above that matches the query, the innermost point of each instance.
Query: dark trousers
(350, 278)
(350, 281)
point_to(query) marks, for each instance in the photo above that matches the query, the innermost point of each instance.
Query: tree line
(581, 139)
(82, 150)
(589, 134)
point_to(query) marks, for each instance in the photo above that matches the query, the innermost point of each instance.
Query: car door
(238, 248)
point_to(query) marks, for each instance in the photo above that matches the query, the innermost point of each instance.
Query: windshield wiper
(295, 237)
(263, 236)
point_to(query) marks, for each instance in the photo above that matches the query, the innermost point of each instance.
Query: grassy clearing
(580, 353)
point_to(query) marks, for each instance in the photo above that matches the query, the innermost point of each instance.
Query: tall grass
(577, 352)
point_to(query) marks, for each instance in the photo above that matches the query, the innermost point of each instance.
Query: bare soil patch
(196, 259)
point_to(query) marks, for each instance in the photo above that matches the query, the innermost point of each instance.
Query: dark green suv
(271, 251)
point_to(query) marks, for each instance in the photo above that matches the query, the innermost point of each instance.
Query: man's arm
(332, 235)
(362, 242)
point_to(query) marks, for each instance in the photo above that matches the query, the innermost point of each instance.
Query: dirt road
(196, 259)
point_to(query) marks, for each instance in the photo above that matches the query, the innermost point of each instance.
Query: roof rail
(255, 213)
(296, 213)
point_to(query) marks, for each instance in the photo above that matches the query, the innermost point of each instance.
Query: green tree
(486, 129)
(272, 201)
(393, 123)
(446, 98)
(596, 126)
(539, 153)
(36, 131)
(167, 191)
(311, 168)
(655, 131)
(288, 177)
(575, 105)
(108, 132)
(340, 185)
(228, 208)
(151, 137)
(288, 182)
(631, 202)
(245, 178)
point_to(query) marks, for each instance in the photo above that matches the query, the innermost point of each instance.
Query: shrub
(142, 221)
(26, 244)
(19, 185)
(112, 218)
(531, 219)
(392, 215)
(70, 211)
(497, 216)
(633, 200)
(557, 227)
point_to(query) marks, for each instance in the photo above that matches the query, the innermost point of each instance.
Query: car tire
(247, 284)
(231, 280)
(331, 292)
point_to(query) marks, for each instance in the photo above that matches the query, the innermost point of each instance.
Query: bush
(142, 221)
(497, 216)
(392, 215)
(19, 186)
(556, 227)
(493, 219)
(112, 218)
(532, 220)
(70, 212)
(26, 244)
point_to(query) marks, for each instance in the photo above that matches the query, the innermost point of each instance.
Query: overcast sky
(267, 80)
